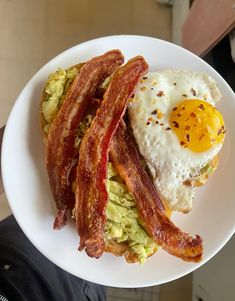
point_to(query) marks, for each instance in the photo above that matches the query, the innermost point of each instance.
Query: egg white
(169, 163)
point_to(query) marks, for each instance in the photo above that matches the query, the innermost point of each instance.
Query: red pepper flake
(132, 96)
(193, 92)
(183, 108)
(178, 115)
(203, 135)
(187, 137)
(161, 123)
(168, 128)
(182, 143)
(192, 114)
(176, 125)
(201, 106)
(145, 77)
(184, 95)
(143, 88)
(154, 112)
(221, 130)
(157, 122)
(148, 122)
(187, 127)
(174, 109)
(161, 93)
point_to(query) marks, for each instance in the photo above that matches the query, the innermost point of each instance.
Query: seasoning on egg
(176, 125)
(187, 137)
(201, 106)
(192, 114)
(148, 123)
(154, 112)
(221, 130)
(157, 122)
(143, 88)
(174, 109)
(168, 128)
(174, 84)
(160, 94)
(151, 88)
(200, 138)
(182, 143)
(193, 92)
(184, 95)
(187, 127)
(145, 77)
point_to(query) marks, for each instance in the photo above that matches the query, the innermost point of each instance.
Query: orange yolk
(197, 124)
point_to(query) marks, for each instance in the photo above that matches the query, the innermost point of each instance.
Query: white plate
(27, 189)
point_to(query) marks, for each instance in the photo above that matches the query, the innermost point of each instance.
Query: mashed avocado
(123, 223)
(57, 86)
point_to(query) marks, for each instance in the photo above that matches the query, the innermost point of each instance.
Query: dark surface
(220, 59)
(26, 275)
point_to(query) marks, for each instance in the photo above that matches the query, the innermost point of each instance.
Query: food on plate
(93, 159)
(60, 146)
(91, 194)
(179, 132)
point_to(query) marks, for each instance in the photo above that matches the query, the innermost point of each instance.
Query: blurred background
(34, 31)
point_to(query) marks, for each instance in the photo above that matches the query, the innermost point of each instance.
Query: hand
(1, 135)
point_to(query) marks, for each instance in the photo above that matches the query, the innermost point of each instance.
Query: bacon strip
(60, 147)
(126, 159)
(91, 194)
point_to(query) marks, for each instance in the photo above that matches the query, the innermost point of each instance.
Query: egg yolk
(197, 124)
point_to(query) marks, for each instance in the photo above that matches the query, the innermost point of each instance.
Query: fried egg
(178, 130)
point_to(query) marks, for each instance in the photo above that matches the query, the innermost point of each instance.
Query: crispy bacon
(60, 147)
(91, 194)
(126, 159)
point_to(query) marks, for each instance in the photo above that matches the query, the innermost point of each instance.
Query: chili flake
(193, 92)
(154, 112)
(201, 106)
(221, 130)
(160, 93)
(187, 127)
(176, 125)
(168, 128)
(192, 114)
